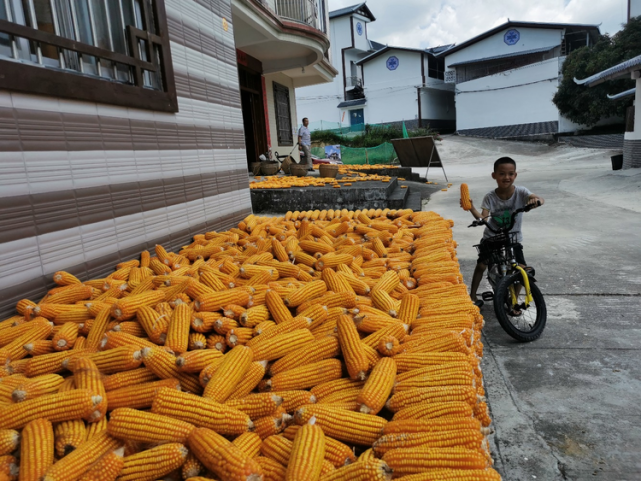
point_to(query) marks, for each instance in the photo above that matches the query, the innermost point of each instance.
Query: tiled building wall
(84, 186)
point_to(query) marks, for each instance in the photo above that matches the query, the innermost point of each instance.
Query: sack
(256, 168)
(286, 163)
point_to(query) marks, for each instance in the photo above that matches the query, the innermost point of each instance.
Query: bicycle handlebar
(527, 208)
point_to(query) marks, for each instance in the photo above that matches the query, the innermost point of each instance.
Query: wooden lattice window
(108, 51)
(283, 115)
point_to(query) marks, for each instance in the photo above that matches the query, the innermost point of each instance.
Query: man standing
(305, 141)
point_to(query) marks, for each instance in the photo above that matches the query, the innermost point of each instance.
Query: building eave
(622, 95)
(618, 71)
(515, 24)
(341, 12)
(507, 55)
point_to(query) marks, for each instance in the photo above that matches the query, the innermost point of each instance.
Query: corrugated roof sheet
(612, 73)
(351, 103)
(622, 95)
(507, 55)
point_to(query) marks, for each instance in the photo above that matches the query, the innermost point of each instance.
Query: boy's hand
(534, 202)
(461, 203)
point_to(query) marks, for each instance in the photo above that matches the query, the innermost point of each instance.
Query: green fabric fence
(381, 154)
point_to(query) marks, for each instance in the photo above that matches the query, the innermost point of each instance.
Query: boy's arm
(484, 212)
(533, 199)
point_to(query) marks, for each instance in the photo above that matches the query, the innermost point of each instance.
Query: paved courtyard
(567, 406)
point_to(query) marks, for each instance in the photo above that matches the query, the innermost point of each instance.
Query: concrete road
(568, 406)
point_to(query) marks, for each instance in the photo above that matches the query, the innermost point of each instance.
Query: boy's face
(505, 175)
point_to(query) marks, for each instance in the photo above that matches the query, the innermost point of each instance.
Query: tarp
(418, 152)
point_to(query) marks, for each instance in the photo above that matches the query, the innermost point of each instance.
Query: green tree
(587, 105)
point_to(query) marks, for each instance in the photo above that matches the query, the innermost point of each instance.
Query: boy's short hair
(504, 160)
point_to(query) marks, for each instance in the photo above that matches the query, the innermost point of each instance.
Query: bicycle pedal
(487, 296)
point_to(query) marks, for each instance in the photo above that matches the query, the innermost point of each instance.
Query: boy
(500, 203)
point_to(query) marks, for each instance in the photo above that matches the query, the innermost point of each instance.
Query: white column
(636, 135)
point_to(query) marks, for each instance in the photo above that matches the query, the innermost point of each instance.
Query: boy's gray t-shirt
(501, 210)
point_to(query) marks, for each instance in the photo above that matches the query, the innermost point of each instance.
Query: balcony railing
(304, 11)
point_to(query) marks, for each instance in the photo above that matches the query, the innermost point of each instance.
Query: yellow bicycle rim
(526, 283)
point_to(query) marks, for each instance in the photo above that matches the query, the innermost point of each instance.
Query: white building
(506, 78)
(377, 84)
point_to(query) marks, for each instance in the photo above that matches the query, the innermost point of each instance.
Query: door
(356, 117)
(251, 97)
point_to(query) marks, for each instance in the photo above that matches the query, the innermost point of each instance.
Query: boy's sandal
(479, 303)
(515, 313)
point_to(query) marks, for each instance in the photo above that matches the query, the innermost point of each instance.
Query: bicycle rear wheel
(529, 324)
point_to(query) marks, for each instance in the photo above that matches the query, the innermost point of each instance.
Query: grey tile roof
(352, 9)
(351, 103)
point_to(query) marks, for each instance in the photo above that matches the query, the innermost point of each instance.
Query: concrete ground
(567, 406)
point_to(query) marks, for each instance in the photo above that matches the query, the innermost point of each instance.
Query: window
(109, 51)
(283, 115)
(436, 68)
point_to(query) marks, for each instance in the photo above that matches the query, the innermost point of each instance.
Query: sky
(429, 23)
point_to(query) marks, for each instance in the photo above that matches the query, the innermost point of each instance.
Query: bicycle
(518, 302)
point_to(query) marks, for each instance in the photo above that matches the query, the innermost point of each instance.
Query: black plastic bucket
(617, 161)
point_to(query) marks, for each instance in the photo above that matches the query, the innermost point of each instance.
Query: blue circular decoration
(512, 36)
(359, 28)
(392, 63)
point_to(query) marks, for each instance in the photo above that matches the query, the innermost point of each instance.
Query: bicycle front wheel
(524, 324)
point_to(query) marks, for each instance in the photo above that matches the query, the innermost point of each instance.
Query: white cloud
(428, 23)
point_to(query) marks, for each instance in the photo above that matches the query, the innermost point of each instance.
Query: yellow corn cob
(196, 361)
(280, 345)
(203, 321)
(14, 350)
(218, 300)
(37, 386)
(74, 464)
(335, 282)
(128, 378)
(239, 336)
(444, 379)
(66, 337)
(207, 373)
(349, 395)
(466, 204)
(235, 365)
(139, 396)
(378, 386)
(223, 325)
(307, 454)
(444, 474)
(127, 423)
(98, 328)
(271, 425)
(106, 468)
(255, 315)
(94, 429)
(178, 333)
(389, 346)
(470, 439)
(397, 330)
(352, 349)
(69, 435)
(305, 376)
(324, 348)
(414, 360)
(321, 391)
(9, 439)
(248, 443)
(409, 308)
(310, 290)
(114, 360)
(192, 468)
(417, 459)
(197, 341)
(128, 307)
(374, 470)
(76, 316)
(63, 278)
(70, 295)
(277, 307)
(292, 400)
(415, 396)
(277, 448)
(252, 377)
(272, 470)
(279, 251)
(224, 459)
(256, 405)
(435, 410)
(481, 413)
(445, 423)
(163, 365)
(132, 328)
(87, 376)
(233, 311)
(153, 463)
(352, 427)
(387, 282)
(57, 407)
(383, 301)
(36, 450)
(200, 412)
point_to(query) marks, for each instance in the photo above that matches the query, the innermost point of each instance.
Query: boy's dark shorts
(518, 254)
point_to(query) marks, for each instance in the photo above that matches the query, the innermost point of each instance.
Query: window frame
(278, 115)
(37, 79)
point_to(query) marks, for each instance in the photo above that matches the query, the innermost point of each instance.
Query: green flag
(405, 134)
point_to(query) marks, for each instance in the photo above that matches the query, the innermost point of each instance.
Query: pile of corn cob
(327, 346)
(285, 182)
